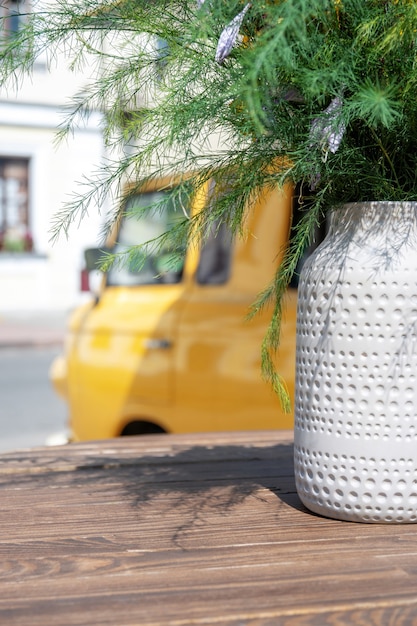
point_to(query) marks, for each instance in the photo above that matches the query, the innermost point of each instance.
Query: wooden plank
(188, 530)
(149, 450)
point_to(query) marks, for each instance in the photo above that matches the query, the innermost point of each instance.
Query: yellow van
(170, 349)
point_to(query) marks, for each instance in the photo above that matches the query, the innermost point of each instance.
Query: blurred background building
(37, 176)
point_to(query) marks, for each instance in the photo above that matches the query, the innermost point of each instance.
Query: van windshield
(158, 263)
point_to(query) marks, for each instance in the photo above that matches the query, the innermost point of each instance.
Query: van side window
(215, 256)
(320, 233)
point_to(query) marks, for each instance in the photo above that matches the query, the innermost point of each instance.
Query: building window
(13, 14)
(15, 233)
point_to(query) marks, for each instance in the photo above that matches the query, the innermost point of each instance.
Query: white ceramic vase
(355, 439)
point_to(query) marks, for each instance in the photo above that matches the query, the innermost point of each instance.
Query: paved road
(30, 411)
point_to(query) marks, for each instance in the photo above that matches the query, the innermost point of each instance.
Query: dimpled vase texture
(355, 438)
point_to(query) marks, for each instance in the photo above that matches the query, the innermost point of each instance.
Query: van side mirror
(91, 275)
(94, 257)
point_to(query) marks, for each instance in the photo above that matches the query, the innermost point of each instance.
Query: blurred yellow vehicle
(170, 349)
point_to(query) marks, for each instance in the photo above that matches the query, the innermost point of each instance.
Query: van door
(121, 363)
(218, 370)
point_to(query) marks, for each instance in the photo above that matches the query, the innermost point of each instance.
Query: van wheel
(141, 428)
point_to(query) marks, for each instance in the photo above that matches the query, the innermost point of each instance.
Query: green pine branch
(289, 62)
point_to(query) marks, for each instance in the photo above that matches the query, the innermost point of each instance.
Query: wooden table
(193, 529)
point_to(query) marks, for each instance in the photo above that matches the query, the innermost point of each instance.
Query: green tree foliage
(317, 93)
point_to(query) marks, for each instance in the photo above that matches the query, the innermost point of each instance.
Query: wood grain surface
(188, 529)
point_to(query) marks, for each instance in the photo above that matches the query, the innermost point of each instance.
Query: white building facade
(37, 177)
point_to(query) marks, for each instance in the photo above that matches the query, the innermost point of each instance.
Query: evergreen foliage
(318, 93)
